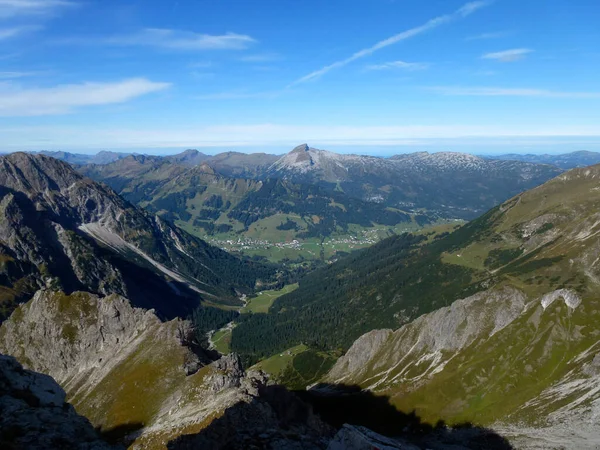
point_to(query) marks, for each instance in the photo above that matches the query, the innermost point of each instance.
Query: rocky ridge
(129, 373)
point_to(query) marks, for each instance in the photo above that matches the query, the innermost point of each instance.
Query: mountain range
(62, 231)
(453, 185)
(439, 339)
(564, 161)
(310, 205)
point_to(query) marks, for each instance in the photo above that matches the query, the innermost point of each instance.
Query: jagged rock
(124, 369)
(35, 416)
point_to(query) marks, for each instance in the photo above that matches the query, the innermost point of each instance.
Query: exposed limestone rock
(361, 352)
(572, 300)
(76, 339)
(428, 341)
(35, 416)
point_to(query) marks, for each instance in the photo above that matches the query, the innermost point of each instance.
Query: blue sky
(378, 76)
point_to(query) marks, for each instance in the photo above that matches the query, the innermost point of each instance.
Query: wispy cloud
(461, 13)
(9, 33)
(488, 36)
(239, 95)
(169, 39)
(15, 75)
(512, 55)
(14, 8)
(510, 92)
(398, 65)
(65, 98)
(261, 58)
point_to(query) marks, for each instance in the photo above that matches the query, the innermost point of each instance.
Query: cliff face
(129, 373)
(35, 415)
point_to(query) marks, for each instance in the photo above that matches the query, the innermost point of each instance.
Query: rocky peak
(31, 173)
(301, 149)
(205, 168)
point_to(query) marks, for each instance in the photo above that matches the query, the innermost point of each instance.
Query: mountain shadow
(279, 418)
(118, 435)
(341, 404)
(276, 418)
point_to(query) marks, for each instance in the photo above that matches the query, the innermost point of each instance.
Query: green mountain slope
(538, 242)
(525, 351)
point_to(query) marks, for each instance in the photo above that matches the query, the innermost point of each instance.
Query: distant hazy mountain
(206, 200)
(455, 185)
(242, 165)
(188, 158)
(102, 157)
(62, 231)
(564, 161)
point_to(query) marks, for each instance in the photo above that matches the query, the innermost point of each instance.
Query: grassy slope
(556, 229)
(263, 301)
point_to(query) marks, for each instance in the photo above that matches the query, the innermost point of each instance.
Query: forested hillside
(386, 285)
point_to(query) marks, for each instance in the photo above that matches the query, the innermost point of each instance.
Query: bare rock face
(426, 344)
(35, 416)
(75, 338)
(361, 352)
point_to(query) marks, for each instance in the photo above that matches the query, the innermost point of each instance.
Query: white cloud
(9, 33)
(182, 40)
(512, 55)
(511, 92)
(13, 8)
(399, 65)
(463, 12)
(65, 98)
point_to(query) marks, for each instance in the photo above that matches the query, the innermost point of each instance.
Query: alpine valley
(460, 312)
(313, 204)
